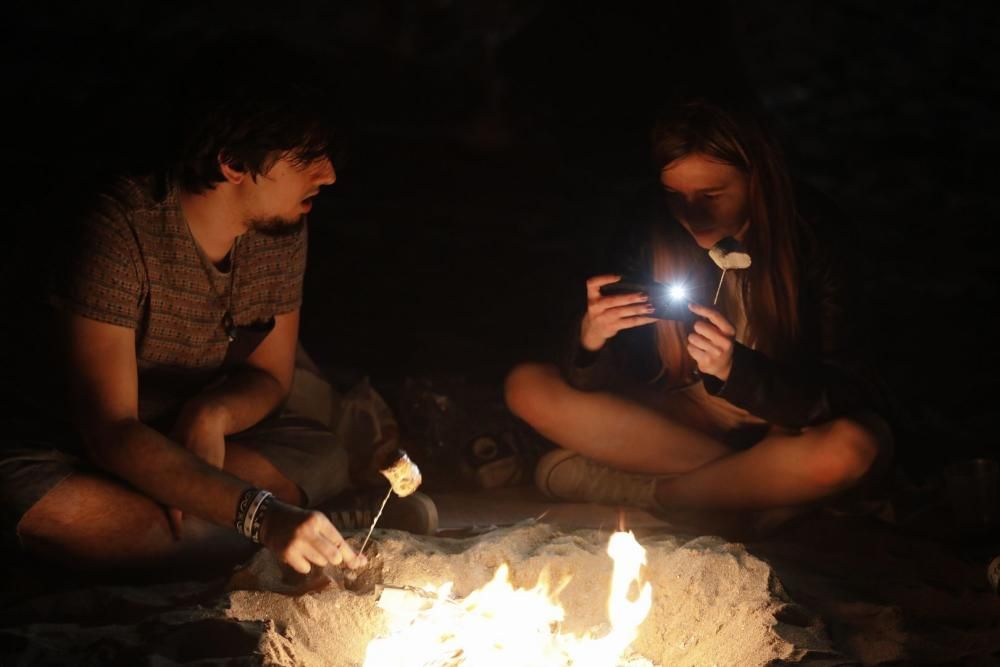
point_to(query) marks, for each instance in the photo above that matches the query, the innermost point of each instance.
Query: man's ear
(231, 169)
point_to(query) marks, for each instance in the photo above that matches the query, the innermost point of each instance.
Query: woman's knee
(846, 453)
(530, 388)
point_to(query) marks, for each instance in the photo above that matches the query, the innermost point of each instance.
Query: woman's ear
(232, 170)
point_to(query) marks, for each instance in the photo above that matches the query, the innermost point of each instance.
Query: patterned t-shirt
(137, 265)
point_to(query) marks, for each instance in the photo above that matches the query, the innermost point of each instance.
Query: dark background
(486, 140)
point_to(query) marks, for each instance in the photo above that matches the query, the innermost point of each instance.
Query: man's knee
(529, 390)
(847, 452)
(89, 521)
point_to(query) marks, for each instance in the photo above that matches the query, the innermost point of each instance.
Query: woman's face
(709, 198)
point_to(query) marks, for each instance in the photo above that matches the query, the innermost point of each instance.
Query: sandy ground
(829, 589)
(713, 603)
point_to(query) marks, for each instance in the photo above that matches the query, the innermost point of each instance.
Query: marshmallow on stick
(728, 254)
(404, 478)
(403, 475)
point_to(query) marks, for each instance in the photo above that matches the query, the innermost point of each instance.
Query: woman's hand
(711, 343)
(303, 538)
(607, 315)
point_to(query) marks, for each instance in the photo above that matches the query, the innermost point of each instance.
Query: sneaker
(416, 513)
(569, 476)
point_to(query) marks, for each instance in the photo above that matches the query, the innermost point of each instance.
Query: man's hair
(246, 100)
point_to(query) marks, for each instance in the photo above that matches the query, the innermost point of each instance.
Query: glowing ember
(502, 625)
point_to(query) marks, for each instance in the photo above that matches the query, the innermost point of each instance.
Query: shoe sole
(420, 511)
(430, 511)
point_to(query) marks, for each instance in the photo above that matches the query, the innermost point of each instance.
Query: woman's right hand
(303, 538)
(607, 315)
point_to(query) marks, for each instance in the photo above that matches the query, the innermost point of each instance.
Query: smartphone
(669, 303)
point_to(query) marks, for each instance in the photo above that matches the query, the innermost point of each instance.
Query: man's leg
(605, 427)
(315, 465)
(290, 456)
(254, 467)
(92, 521)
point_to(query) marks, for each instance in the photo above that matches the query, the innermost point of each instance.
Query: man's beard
(277, 226)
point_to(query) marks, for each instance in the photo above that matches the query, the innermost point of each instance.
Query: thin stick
(374, 521)
(719, 288)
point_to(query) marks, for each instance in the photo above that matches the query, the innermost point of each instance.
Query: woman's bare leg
(786, 469)
(604, 427)
(781, 471)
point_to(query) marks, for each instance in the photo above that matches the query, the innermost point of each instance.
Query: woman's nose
(690, 211)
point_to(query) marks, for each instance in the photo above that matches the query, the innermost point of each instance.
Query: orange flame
(500, 625)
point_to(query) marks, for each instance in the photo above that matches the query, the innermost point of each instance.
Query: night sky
(488, 141)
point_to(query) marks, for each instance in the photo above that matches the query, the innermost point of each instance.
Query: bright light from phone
(678, 292)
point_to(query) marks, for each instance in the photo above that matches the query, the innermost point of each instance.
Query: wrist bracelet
(242, 505)
(258, 517)
(250, 512)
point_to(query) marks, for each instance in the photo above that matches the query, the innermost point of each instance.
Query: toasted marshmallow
(729, 254)
(403, 475)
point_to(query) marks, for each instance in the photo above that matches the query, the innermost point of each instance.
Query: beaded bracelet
(242, 505)
(258, 518)
(250, 512)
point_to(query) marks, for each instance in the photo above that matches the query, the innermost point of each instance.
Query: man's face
(710, 199)
(278, 200)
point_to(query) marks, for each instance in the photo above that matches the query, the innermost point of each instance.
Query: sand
(713, 603)
(886, 596)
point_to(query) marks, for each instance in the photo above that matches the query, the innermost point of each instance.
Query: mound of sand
(713, 603)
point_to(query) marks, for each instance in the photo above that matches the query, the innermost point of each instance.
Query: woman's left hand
(711, 343)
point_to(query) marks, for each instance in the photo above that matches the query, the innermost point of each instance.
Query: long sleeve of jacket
(626, 254)
(832, 377)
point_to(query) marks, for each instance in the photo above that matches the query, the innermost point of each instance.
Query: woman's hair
(736, 138)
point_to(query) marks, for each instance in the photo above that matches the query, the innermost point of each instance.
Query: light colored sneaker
(569, 476)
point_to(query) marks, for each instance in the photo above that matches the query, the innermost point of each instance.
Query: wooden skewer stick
(719, 288)
(374, 521)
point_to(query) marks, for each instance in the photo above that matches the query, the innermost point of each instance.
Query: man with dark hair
(178, 306)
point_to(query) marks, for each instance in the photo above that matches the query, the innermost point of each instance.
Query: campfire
(709, 602)
(499, 624)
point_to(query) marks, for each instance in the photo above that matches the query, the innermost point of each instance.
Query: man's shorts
(36, 456)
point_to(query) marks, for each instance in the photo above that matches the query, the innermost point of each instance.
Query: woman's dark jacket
(831, 375)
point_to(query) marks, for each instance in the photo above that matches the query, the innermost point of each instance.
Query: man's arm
(104, 397)
(103, 381)
(254, 391)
